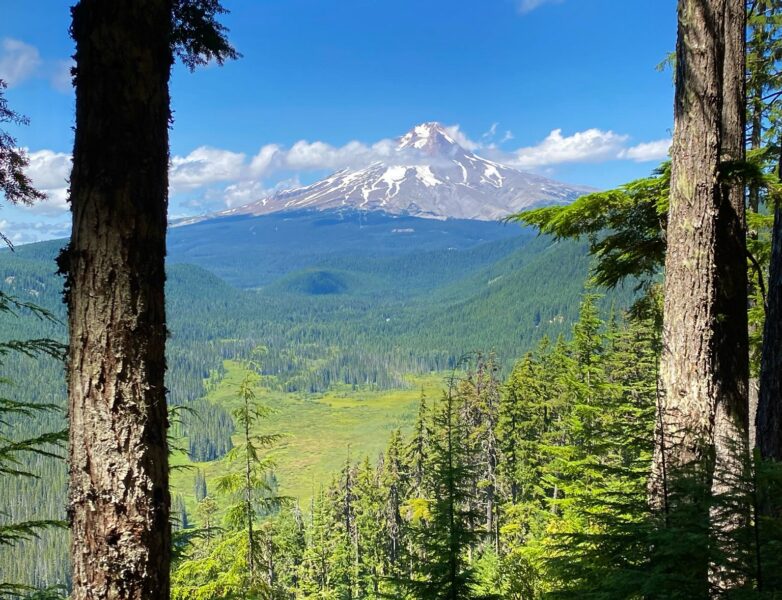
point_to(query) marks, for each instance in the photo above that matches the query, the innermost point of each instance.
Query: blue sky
(566, 88)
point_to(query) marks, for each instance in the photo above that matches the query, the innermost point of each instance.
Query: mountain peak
(429, 138)
(431, 176)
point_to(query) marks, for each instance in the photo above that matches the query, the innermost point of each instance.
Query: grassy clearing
(321, 430)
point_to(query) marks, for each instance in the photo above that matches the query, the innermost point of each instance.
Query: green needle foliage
(232, 562)
(531, 488)
(625, 227)
(17, 452)
(445, 534)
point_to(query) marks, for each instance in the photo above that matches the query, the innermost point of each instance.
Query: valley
(366, 300)
(358, 311)
(321, 432)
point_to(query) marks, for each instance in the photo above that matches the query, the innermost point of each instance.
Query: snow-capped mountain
(428, 174)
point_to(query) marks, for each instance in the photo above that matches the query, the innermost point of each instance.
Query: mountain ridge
(428, 174)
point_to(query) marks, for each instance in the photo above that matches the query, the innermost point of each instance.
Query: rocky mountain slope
(429, 175)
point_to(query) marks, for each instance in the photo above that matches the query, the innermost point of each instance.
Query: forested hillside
(373, 368)
(525, 486)
(338, 320)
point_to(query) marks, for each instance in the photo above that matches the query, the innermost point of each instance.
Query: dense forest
(528, 487)
(616, 434)
(342, 339)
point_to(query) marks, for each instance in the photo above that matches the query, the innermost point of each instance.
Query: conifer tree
(343, 559)
(15, 450)
(119, 501)
(206, 512)
(445, 536)
(394, 485)
(416, 454)
(317, 577)
(248, 478)
(199, 486)
(15, 185)
(483, 391)
(370, 531)
(291, 543)
(180, 519)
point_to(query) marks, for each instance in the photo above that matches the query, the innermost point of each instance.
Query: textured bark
(704, 370)
(118, 498)
(731, 370)
(731, 420)
(688, 368)
(769, 423)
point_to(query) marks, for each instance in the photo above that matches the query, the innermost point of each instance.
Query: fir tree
(206, 512)
(370, 530)
(199, 486)
(394, 485)
(445, 537)
(248, 480)
(290, 538)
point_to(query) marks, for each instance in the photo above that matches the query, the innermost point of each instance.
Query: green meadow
(321, 431)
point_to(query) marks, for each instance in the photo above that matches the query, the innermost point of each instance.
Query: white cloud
(245, 192)
(203, 166)
(242, 192)
(235, 194)
(648, 151)
(263, 162)
(526, 6)
(492, 131)
(461, 138)
(49, 169)
(20, 232)
(209, 178)
(18, 61)
(591, 145)
(305, 155)
(49, 172)
(314, 156)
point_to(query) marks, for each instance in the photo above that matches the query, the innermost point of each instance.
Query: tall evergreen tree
(15, 450)
(766, 88)
(731, 410)
(688, 370)
(119, 501)
(317, 578)
(769, 419)
(370, 530)
(199, 486)
(445, 535)
(703, 365)
(206, 512)
(248, 479)
(418, 447)
(291, 542)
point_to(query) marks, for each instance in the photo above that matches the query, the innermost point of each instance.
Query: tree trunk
(689, 378)
(118, 500)
(731, 416)
(769, 423)
(732, 339)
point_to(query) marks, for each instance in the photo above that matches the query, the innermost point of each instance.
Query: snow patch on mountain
(428, 175)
